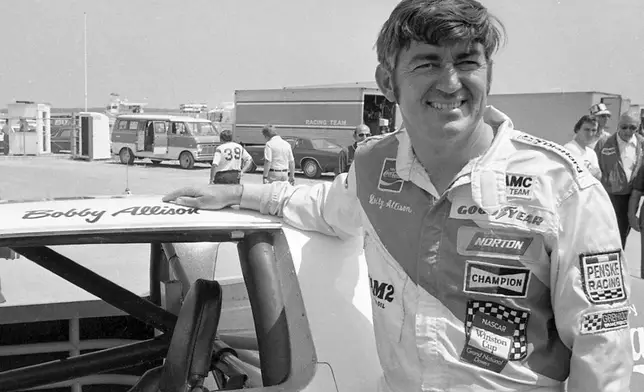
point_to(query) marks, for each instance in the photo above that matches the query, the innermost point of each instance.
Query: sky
(172, 52)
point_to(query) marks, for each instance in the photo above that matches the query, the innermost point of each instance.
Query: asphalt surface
(60, 176)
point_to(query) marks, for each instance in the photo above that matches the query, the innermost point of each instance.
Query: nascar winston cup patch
(602, 277)
(495, 334)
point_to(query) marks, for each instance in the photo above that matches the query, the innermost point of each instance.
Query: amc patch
(519, 186)
(604, 321)
(496, 280)
(602, 277)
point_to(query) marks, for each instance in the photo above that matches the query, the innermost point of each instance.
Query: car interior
(188, 351)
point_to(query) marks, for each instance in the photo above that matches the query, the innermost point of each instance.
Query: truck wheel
(311, 169)
(186, 160)
(126, 156)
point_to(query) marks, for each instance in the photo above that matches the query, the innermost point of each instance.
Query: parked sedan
(61, 141)
(313, 156)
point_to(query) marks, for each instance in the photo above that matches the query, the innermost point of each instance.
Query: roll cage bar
(283, 338)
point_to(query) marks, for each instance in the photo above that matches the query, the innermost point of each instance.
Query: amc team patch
(519, 186)
(604, 321)
(496, 280)
(602, 277)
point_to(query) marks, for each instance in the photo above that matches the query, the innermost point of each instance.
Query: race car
(139, 295)
(130, 293)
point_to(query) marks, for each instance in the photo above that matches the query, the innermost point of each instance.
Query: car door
(161, 137)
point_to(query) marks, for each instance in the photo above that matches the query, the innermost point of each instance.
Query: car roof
(119, 214)
(169, 117)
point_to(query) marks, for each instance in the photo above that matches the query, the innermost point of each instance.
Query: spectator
(279, 164)
(585, 131)
(620, 158)
(346, 155)
(602, 114)
(7, 131)
(231, 160)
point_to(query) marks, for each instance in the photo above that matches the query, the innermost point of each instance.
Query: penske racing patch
(604, 321)
(495, 334)
(496, 280)
(602, 277)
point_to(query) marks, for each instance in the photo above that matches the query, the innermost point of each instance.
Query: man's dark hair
(268, 131)
(437, 22)
(586, 118)
(226, 135)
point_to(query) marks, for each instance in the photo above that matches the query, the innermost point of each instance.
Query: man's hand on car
(211, 197)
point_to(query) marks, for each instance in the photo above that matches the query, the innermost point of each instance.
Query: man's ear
(385, 81)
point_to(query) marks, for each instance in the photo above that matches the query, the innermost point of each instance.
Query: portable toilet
(34, 138)
(91, 139)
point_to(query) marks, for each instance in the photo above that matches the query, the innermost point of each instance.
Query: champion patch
(519, 186)
(495, 334)
(602, 277)
(389, 180)
(496, 280)
(604, 321)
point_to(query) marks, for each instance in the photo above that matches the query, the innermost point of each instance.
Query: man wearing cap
(620, 159)
(346, 155)
(602, 114)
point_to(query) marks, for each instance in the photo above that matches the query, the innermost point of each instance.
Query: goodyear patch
(495, 280)
(604, 321)
(389, 180)
(519, 186)
(508, 214)
(602, 277)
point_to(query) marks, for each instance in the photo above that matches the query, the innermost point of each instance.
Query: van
(162, 137)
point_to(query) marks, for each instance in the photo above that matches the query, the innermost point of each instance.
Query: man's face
(441, 91)
(586, 134)
(362, 134)
(602, 120)
(627, 127)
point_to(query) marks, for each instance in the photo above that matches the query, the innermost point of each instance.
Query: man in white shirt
(279, 164)
(585, 130)
(230, 161)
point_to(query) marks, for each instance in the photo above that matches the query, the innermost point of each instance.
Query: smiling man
(486, 270)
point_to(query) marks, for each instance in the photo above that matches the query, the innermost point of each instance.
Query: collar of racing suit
(486, 173)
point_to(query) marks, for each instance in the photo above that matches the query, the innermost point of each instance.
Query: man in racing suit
(485, 268)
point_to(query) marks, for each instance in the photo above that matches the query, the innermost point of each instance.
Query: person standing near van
(230, 161)
(279, 163)
(360, 134)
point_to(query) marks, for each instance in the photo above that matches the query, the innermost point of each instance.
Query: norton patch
(499, 243)
(496, 280)
(602, 277)
(519, 186)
